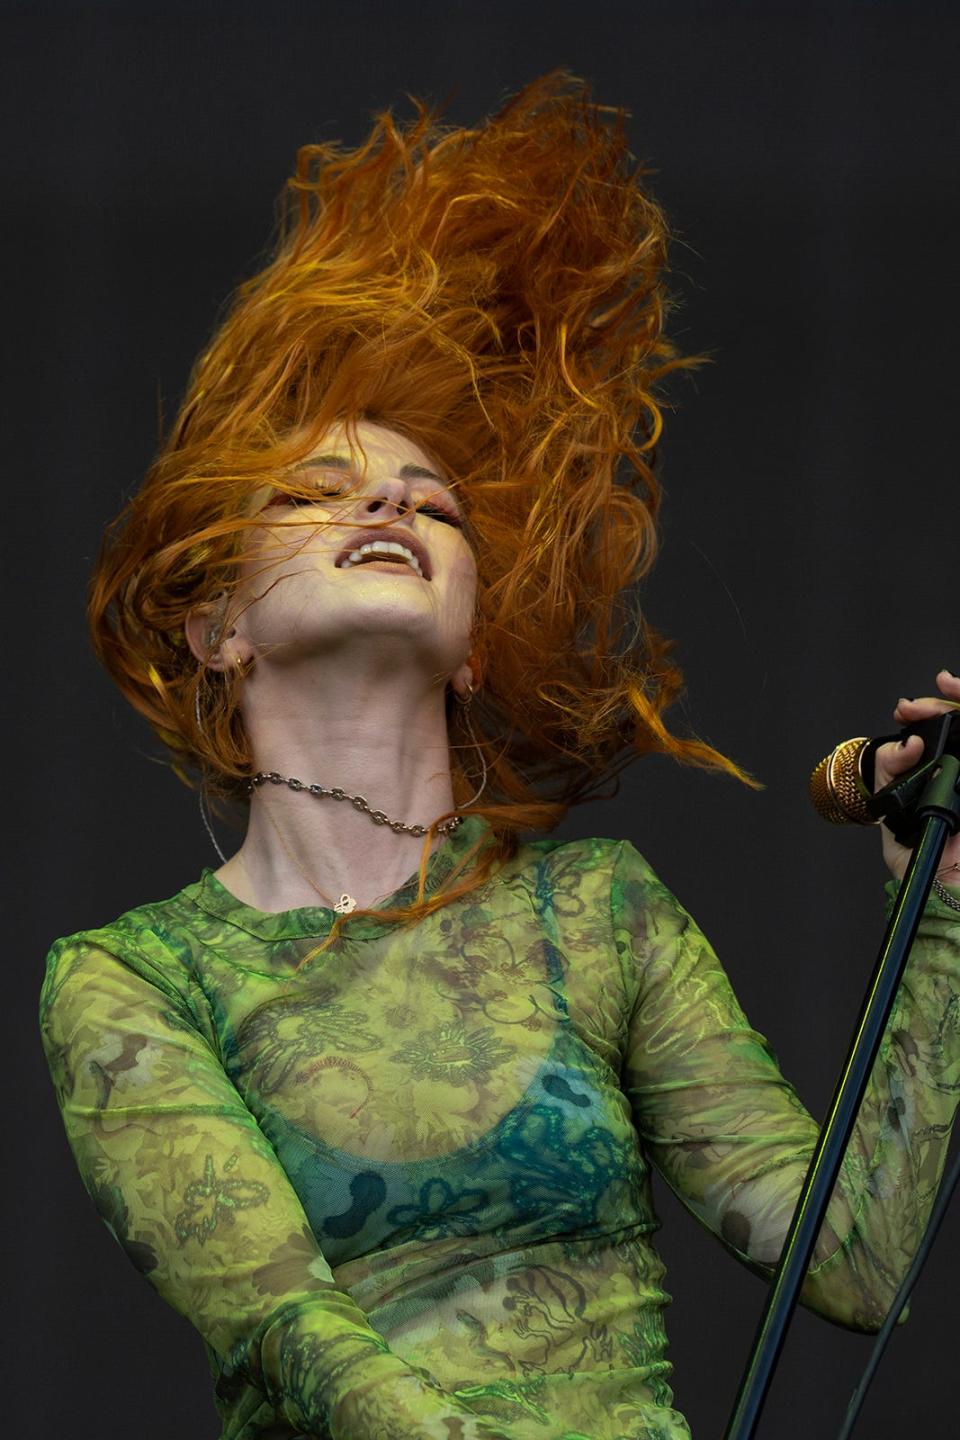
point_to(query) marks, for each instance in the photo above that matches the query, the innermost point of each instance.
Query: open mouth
(384, 552)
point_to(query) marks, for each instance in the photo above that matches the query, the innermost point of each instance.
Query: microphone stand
(922, 809)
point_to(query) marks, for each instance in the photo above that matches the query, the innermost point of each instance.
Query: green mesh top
(406, 1192)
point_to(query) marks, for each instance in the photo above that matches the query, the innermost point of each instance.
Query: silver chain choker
(323, 792)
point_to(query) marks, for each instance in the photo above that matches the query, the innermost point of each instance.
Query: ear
(464, 678)
(212, 646)
(202, 629)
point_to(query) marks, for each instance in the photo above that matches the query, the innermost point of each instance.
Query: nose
(389, 496)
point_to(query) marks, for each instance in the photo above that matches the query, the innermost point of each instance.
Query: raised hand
(893, 759)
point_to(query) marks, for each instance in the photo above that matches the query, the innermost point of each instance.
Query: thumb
(895, 758)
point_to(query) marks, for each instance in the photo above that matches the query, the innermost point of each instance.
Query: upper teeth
(382, 547)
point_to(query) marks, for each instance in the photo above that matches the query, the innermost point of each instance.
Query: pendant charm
(345, 904)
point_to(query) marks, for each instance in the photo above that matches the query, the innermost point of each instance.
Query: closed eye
(437, 514)
(281, 498)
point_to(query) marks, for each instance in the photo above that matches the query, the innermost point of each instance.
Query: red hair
(497, 295)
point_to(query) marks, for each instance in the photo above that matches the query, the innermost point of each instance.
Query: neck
(383, 738)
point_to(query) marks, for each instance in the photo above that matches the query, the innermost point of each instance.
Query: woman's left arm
(728, 1132)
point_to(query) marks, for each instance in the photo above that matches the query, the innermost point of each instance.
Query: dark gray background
(808, 159)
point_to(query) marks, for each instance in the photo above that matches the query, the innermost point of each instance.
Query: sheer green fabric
(406, 1192)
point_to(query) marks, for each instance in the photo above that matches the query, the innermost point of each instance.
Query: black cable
(902, 1296)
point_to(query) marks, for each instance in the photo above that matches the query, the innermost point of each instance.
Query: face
(314, 585)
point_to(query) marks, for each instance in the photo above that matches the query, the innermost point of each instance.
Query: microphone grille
(837, 787)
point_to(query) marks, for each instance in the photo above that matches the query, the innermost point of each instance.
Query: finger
(923, 707)
(894, 758)
(948, 683)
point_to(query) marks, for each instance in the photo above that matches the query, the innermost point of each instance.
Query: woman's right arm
(193, 1192)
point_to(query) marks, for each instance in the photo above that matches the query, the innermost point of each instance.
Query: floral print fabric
(405, 1192)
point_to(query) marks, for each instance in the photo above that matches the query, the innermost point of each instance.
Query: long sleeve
(191, 1189)
(728, 1132)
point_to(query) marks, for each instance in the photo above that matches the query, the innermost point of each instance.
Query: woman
(375, 1104)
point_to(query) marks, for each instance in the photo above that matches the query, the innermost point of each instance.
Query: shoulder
(149, 940)
(618, 860)
(610, 873)
(572, 864)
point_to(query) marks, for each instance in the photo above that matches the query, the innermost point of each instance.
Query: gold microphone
(840, 789)
(841, 786)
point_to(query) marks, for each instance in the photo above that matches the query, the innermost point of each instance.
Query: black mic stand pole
(922, 808)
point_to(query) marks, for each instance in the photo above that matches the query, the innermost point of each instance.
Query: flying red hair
(497, 295)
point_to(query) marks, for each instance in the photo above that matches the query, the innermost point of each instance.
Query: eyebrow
(340, 462)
